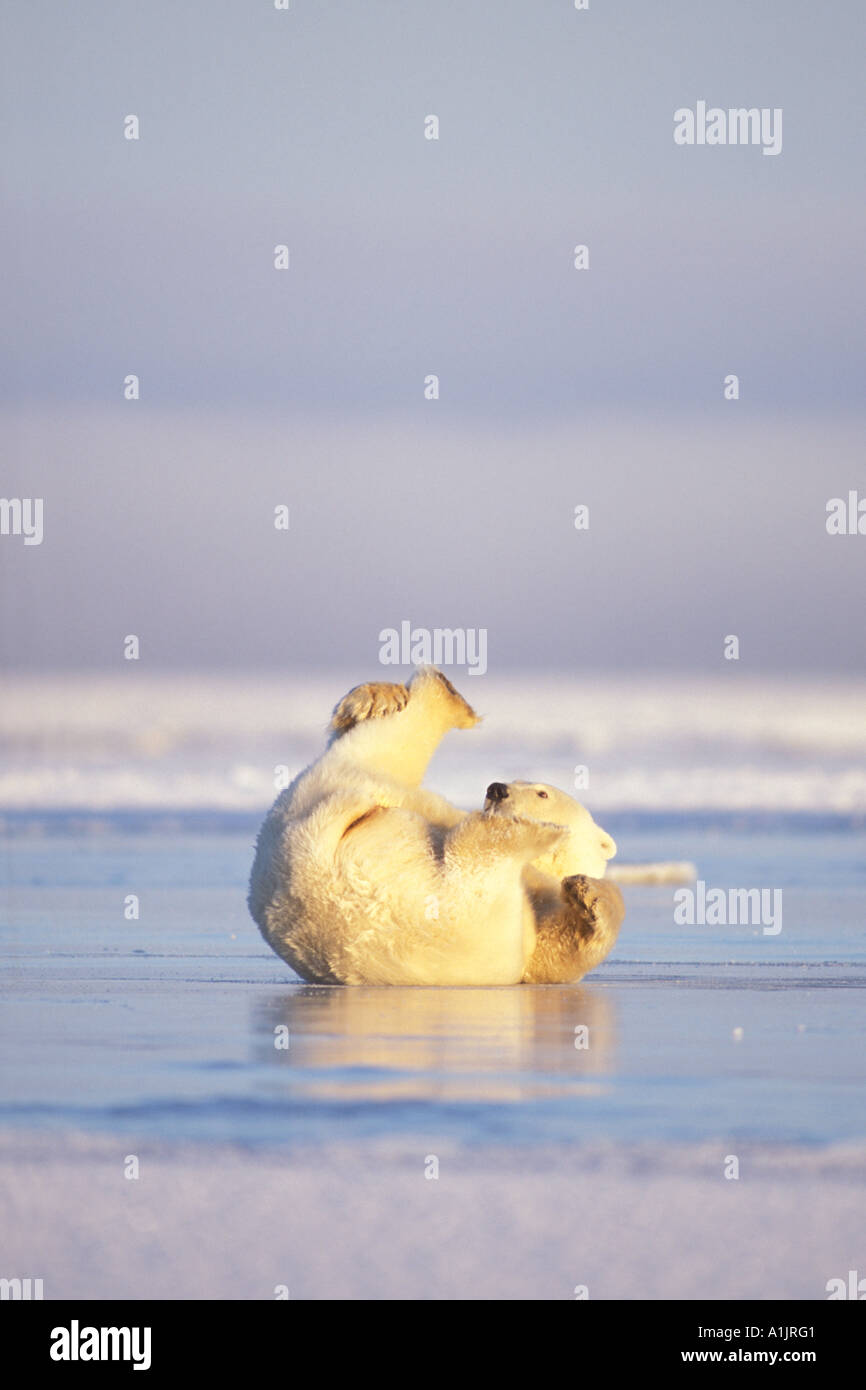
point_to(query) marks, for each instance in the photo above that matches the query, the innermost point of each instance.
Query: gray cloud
(410, 257)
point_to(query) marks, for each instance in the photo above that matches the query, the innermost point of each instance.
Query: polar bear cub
(361, 876)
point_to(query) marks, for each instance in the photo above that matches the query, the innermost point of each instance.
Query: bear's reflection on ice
(387, 1043)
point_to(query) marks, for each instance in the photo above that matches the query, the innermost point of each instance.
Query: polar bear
(362, 876)
(577, 913)
(587, 847)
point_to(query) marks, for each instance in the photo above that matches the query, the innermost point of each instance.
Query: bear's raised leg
(371, 701)
(393, 730)
(579, 934)
(377, 699)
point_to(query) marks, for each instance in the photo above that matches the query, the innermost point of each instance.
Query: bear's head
(587, 848)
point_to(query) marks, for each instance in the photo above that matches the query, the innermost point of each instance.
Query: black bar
(240, 1337)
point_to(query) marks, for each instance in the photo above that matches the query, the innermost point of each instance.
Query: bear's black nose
(497, 791)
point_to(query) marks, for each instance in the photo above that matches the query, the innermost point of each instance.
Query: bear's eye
(544, 794)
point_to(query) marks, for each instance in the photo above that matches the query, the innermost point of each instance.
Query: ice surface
(141, 741)
(559, 1165)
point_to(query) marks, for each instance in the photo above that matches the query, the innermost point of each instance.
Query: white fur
(363, 877)
(584, 850)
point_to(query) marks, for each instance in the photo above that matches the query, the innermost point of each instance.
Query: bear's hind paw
(374, 700)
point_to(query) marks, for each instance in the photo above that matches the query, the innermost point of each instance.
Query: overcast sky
(408, 257)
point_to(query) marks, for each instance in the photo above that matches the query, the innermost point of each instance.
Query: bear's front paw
(374, 700)
(593, 904)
